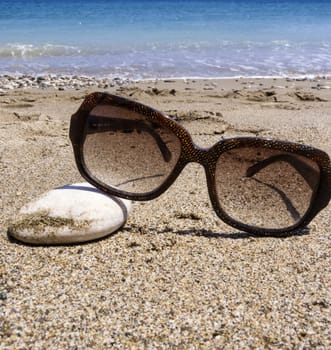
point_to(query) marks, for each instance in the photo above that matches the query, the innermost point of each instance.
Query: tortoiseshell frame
(206, 157)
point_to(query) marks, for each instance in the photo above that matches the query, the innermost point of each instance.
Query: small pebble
(3, 295)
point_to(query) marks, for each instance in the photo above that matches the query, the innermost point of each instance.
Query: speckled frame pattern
(206, 157)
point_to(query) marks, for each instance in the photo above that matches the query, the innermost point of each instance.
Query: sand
(175, 276)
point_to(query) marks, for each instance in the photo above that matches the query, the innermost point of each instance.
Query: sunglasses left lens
(125, 150)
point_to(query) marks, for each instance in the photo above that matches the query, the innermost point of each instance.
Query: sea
(150, 39)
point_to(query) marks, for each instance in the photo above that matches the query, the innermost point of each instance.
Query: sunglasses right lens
(265, 188)
(125, 150)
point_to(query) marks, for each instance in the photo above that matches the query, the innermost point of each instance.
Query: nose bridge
(196, 154)
(206, 158)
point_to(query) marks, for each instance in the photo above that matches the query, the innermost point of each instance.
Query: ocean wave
(223, 58)
(17, 50)
(20, 50)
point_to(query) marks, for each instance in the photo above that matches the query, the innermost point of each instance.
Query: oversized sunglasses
(259, 185)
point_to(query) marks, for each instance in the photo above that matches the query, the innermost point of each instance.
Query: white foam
(18, 50)
(202, 60)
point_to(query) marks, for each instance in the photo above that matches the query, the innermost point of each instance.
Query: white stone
(70, 214)
(8, 87)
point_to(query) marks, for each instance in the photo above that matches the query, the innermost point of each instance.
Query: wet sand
(175, 276)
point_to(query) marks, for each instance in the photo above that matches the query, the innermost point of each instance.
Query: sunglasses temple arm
(288, 203)
(307, 172)
(100, 124)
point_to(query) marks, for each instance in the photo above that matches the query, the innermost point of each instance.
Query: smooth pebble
(69, 214)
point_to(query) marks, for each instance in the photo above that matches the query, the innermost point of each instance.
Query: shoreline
(61, 82)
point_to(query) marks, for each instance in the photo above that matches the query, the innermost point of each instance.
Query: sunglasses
(258, 185)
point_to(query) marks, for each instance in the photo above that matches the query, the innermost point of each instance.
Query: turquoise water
(166, 38)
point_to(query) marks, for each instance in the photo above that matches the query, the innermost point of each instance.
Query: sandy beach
(175, 276)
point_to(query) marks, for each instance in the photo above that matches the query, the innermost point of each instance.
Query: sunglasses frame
(190, 152)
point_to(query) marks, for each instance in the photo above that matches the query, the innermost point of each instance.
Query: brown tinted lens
(125, 150)
(265, 188)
